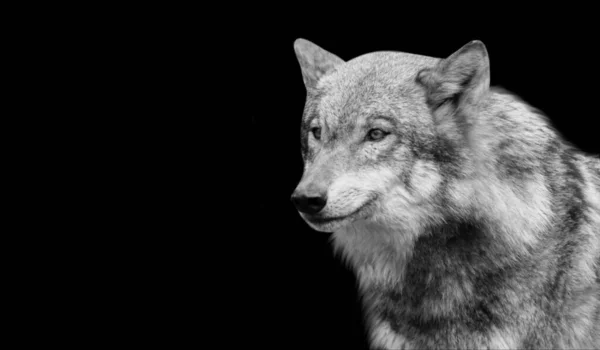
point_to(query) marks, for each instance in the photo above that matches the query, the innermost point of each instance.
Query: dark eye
(316, 131)
(376, 135)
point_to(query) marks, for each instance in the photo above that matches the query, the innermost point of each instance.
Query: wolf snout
(309, 203)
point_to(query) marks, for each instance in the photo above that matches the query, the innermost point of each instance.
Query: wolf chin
(468, 220)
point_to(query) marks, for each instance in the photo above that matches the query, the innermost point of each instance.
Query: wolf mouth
(326, 220)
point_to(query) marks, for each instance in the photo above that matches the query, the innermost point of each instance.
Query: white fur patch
(350, 191)
(521, 213)
(377, 272)
(425, 179)
(502, 340)
(369, 247)
(383, 336)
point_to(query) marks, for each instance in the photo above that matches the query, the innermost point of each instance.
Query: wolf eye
(316, 131)
(375, 135)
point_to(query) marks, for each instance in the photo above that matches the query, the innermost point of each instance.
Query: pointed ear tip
(477, 44)
(300, 42)
(474, 46)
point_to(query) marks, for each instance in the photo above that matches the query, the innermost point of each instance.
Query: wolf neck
(430, 275)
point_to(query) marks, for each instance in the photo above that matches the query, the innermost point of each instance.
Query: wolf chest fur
(468, 220)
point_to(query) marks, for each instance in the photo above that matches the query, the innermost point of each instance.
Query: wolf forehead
(379, 83)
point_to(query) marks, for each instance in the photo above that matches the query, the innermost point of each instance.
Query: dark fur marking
(576, 203)
(552, 155)
(333, 136)
(480, 318)
(436, 103)
(455, 99)
(598, 271)
(444, 152)
(420, 326)
(597, 316)
(436, 98)
(468, 79)
(572, 169)
(505, 144)
(502, 116)
(419, 147)
(553, 147)
(510, 164)
(568, 226)
(439, 256)
(422, 76)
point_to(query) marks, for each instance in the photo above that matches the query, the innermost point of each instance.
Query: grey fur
(472, 224)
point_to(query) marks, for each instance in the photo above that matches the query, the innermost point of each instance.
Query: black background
(307, 296)
(273, 282)
(218, 253)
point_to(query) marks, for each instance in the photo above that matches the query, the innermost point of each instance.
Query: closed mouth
(325, 220)
(321, 220)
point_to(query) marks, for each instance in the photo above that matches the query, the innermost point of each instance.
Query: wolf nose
(309, 205)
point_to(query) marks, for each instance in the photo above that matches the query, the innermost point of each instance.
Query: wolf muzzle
(309, 201)
(310, 196)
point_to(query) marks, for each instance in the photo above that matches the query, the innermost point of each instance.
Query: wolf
(467, 218)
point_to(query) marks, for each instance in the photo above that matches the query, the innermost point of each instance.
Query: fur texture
(470, 223)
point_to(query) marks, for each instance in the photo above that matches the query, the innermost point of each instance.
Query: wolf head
(380, 133)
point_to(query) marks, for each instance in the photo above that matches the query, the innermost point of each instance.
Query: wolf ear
(460, 79)
(314, 61)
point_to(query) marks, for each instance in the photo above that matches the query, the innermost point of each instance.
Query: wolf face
(369, 140)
